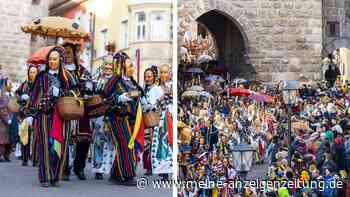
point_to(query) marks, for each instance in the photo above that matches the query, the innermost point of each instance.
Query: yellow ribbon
(81, 102)
(136, 127)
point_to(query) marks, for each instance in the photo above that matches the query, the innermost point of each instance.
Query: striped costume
(121, 121)
(42, 106)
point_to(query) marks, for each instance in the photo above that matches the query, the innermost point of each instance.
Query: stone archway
(231, 41)
(281, 40)
(202, 10)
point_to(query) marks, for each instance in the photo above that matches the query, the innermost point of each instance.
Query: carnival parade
(230, 127)
(62, 118)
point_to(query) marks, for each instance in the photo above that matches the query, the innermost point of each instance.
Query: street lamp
(242, 155)
(290, 96)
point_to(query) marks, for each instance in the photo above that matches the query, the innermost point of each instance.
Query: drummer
(103, 146)
(153, 94)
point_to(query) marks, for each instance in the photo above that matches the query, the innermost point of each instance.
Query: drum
(70, 108)
(95, 107)
(151, 119)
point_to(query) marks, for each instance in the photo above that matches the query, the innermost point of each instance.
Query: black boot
(99, 176)
(129, 182)
(65, 177)
(115, 181)
(25, 163)
(66, 174)
(45, 184)
(80, 175)
(7, 158)
(55, 184)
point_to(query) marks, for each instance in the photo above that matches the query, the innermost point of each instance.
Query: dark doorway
(230, 42)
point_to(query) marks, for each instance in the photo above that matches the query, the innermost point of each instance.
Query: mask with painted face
(54, 60)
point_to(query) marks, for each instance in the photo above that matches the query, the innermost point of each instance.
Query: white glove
(88, 85)
(24, 97)
(9, 121)
(55, 91)
(124, 98)
(29, 120)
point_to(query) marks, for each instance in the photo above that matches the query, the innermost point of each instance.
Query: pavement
(17, 180)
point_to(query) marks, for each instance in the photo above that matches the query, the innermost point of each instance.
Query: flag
(140, 138)
(138, 132)
(215, 192)
(57, 133)
(138, 64)
(169, 126)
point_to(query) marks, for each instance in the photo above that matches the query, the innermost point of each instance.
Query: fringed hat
(108, 59)
(119, 62)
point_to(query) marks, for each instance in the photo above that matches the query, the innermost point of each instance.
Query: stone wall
(16, 46)
(284, 38)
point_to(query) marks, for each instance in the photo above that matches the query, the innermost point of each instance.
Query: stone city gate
(264, 39)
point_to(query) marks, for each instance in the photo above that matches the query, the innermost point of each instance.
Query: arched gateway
(267, 40)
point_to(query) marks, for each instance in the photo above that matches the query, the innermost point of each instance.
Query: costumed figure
(153, 94)
(27, 137)
(78, 131)
(162, 135)
(122, 94)
(103, 145)
(5, 121)
(49, 86)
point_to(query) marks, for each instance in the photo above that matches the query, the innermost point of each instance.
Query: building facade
(16, 46)
(270, 40)
(142, 27)
(136, 26)
(336, 17)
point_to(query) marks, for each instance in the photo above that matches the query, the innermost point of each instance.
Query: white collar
(126, 78)
(53, 71)
(107, 76)
(150, 86)
(70, 67)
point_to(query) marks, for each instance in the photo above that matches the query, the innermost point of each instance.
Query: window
(171, 27)
(347, 16)
(140, 26)
(103, 42)
(35, 2)
(159, 30)
(124, 34)
(333, 29)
